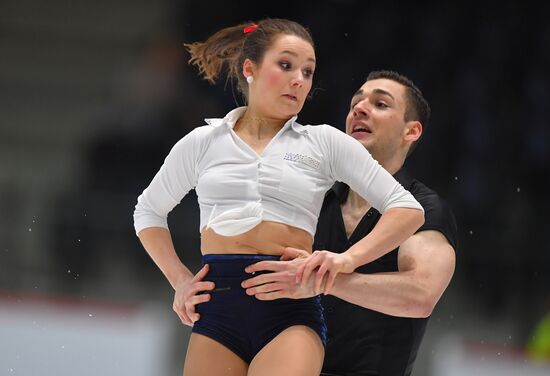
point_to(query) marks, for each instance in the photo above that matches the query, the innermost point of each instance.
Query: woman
(260, 178)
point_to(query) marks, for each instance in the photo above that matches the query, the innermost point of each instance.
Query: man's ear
(413, 131)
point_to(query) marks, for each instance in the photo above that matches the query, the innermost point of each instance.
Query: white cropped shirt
(237, 188)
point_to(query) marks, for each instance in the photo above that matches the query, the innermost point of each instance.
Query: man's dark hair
(417, 108)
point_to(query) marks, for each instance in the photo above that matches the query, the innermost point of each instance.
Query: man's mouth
(361, 129)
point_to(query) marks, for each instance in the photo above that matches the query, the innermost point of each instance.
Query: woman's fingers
(330, 282)
(180, 311)
(319, 278)
(201, 286)
(201, 273)
(192, 302)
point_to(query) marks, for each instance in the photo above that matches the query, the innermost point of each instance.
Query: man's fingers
(260, 280)
(272, 266)
(269, 287)
(299, 273)
(290, 253)
(271, 295)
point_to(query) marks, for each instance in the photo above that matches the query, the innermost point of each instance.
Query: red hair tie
(250, 29)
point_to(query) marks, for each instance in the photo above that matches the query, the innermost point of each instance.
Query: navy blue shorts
(243, 323)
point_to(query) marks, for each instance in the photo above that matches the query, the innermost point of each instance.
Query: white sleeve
(352, 164)
(176, 177)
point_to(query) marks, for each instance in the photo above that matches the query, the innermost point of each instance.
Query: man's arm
(426, 264)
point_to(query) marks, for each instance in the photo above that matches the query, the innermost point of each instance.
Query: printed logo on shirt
(304, 159)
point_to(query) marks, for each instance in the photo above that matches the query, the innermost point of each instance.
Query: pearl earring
(249, 79)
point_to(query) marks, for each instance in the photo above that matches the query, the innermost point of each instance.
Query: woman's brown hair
(230, 47)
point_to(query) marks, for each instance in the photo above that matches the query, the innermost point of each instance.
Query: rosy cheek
(273, 78)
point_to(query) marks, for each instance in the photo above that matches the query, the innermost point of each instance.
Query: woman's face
(283, 79)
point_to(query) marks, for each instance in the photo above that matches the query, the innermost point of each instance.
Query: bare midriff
(267, 238)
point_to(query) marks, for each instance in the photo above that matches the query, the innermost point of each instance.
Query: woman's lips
(291, 97)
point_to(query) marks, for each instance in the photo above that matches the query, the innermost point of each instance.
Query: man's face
(377, 117)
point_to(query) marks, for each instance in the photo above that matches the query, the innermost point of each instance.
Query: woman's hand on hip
(189, 293)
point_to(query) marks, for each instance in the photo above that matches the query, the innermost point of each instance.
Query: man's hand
(291, 253)
(281, 283)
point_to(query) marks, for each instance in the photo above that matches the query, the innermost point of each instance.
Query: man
(376, 316)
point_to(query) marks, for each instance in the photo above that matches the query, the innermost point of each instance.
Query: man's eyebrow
(375, 91)
(383, 92)
(296, 55)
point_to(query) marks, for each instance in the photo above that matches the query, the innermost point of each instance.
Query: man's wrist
(340, 284)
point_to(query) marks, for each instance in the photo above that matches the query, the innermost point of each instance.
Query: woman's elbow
(415, 217)
(418, 217)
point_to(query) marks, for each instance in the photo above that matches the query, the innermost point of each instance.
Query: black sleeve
(438, 216)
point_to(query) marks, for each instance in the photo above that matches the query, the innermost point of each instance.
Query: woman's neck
(256, 124)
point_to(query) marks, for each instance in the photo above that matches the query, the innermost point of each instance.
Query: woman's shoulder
(204, 131)
(321, 131)
(316, 128)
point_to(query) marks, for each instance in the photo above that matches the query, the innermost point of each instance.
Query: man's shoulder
(438, 214)
(426, 195)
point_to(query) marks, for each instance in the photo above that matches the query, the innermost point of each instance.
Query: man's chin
(364, 138)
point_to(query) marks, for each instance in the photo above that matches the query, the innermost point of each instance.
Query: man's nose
(361, 108)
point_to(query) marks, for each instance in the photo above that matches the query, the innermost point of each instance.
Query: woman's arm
(158, 244)
(402, 215)
(174, 179)
(426, 263)
(394, 227)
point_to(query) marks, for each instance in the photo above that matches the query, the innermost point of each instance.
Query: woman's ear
(248, 68)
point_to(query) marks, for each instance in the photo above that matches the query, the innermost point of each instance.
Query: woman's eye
(285, 65)
(308, 73)
(381, 105)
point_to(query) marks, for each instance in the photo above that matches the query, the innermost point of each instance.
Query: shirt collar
(232, 116)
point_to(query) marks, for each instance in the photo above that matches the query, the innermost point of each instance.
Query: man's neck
(392, 165)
